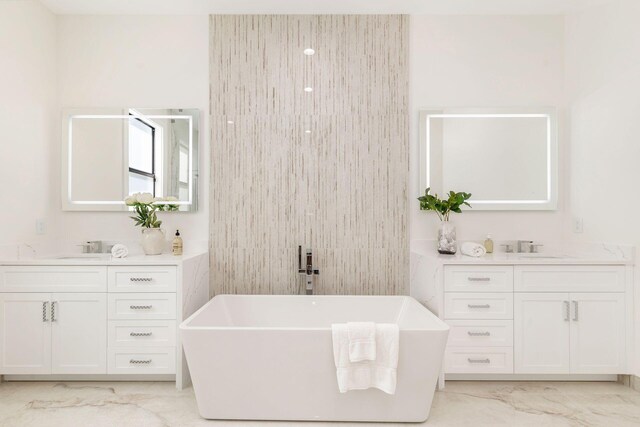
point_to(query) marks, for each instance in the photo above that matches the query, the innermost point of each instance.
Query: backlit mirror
(110, 154)
(506, 158)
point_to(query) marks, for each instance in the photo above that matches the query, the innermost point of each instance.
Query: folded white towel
(473, 249)
(380, 373)
(119, 251)
(362, 341)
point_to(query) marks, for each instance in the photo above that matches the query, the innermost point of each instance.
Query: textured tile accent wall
(340, 189)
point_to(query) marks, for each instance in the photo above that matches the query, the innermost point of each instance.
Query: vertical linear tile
(341, 189)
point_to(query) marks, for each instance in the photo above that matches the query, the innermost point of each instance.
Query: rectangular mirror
(506, 158)
(110, 154)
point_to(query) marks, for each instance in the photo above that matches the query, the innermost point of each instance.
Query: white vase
(447, 238)
(153, 241)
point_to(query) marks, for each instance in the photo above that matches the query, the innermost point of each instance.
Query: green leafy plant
(145, 206)
(443, 207)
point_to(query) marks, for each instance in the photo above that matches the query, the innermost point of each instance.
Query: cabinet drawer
(139, 360)
(462, 278)
(142, 333)
(573, 278)
(478, 305)
(480, 333)
(53, 279)
(478, 360)
(142, 306)
(142, 279)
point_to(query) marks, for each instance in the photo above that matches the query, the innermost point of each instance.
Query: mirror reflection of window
(142, 176)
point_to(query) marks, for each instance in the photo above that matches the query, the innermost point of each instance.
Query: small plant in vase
(146, 207)
(443, 207)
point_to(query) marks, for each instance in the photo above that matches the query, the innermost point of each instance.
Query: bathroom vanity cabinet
(98, 319)
(532, 318)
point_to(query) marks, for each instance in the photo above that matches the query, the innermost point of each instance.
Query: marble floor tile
(477, 404)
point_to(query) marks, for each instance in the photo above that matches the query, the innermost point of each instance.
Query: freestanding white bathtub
(271, 358)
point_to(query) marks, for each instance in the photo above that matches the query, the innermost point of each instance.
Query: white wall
(603, 69)
(134, 61)
(27, 100)
(486, 61)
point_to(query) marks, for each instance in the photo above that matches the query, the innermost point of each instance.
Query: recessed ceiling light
(307, 131)
(230, 122)
(308, 51)
(308, 89)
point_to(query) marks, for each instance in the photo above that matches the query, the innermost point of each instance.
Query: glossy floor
(461, 404)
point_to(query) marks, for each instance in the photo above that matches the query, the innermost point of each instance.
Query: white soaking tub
(269, 357)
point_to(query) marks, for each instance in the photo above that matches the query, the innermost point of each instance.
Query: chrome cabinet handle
(53, 311)
(575, 310)
(140, 362)
(487, 360)
(479, 305)
(140, 279)
(479, 279)
(479, 334)
(140, 334)
(140, 307)
(44, 311)
(566, 311)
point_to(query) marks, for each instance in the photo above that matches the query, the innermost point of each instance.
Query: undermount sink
(83, 256)
(541, 256)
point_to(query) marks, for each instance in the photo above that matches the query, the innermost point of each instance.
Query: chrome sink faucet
(92, 247)
(531, 247)
(308, 271)
(522, 244)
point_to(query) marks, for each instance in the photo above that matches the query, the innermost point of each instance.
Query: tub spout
(308, 271)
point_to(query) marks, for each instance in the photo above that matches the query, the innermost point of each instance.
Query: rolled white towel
(473, 249)
(119, 251)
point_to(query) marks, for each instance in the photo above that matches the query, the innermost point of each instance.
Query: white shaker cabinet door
(79, 333)
(597, 333)
(25, 333)
(541, 333)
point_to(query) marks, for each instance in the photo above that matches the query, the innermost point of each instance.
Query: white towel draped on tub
(379, 373)
(473, 249)
(362, 341)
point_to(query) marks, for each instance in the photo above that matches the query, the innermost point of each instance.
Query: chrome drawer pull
(575, 310)
(479, 334)
(53, 311)
(487, 360)
(140, 279)
(44, 311)
(140, 307)
(140, 334)
(140, 362)
(479, 305)
(566, 311)
(479, 279)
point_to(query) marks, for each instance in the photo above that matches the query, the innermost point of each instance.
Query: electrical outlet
(578, 225)
(41, 226)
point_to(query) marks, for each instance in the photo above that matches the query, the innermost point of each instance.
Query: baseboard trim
(530, 377)
(105, 377)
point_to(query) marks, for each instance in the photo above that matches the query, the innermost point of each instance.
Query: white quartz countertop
(559, 255)
(102, 259)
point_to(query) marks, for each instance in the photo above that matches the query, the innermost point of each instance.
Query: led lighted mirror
(110, 154)
(506, 158)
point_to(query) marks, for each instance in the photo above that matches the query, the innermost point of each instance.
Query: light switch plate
(578, 225)
(41, 226)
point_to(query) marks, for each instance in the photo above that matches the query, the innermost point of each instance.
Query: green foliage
(145, 206)
(443, 207)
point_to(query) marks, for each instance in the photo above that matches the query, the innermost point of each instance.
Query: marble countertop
(102, 259)
(556, 255)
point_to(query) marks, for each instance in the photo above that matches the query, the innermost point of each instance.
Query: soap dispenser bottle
(177, 244)
(488, 244)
